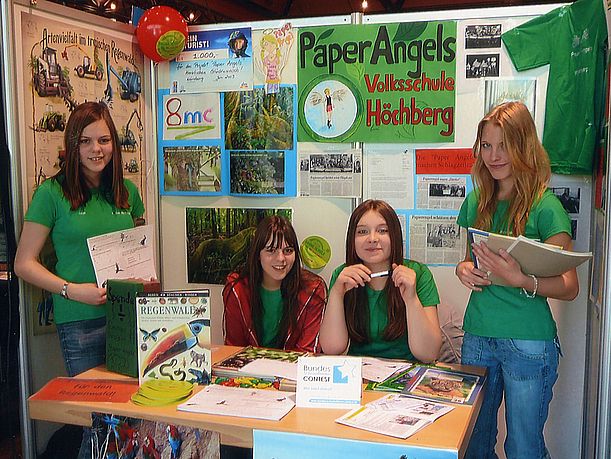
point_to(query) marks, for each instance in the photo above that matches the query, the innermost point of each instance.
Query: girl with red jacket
(273, 302)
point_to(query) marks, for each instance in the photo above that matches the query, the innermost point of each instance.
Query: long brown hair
(357, 317)
(72, 181)
(273, 231)
(529, 163)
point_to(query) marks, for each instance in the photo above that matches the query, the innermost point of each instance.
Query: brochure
(397, 381)
(126, 254)
(445, 385)
(240, 402)
(395, 415)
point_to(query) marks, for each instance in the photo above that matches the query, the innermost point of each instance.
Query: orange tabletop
(450, 432)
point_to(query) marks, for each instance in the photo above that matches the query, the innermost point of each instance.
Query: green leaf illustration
(327, 33)
(408, 31)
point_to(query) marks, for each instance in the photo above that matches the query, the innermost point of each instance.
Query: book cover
(445, 385)
(121, 339)
(174, 336)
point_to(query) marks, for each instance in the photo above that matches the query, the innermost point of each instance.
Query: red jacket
(238, 326)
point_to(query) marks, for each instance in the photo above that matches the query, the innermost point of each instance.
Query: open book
(534, 257)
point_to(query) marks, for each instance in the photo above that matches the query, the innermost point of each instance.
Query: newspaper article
(389, 172)
(332, 173)
(436, 239)
(441, 192)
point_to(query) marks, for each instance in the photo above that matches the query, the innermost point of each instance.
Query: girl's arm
(423, 331)
(563, 287)
(29, 268)
(333, 330)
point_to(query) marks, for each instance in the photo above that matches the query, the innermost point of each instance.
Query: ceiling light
(364, 4)
(113, 6)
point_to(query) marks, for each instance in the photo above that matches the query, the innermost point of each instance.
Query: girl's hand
(404, 279)
(470, 276)
(87, 293)
(352, 277)
(502, 265)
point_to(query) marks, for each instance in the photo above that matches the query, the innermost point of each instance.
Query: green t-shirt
(505, 312)
(273, 306)
(378, 317)
(572, 39)
(69, 232)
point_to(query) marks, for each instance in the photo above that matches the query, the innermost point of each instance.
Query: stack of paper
(395, 415)
(236, 401)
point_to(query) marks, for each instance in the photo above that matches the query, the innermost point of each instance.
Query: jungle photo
(257, 172)
(192, 168)
(258, 121)
(218, 240)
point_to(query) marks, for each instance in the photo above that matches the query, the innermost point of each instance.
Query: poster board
(476, 90)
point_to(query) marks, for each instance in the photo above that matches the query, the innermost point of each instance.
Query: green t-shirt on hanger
(572, 39)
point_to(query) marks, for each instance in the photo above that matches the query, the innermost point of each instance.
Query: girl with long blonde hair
(510, 329)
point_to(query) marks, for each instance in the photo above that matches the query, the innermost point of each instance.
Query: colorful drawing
(275, 48)
(331, 109)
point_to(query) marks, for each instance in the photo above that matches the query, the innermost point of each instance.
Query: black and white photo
(483, 36)
(482, 65)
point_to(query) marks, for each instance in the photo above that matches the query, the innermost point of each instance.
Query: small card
(329, 382)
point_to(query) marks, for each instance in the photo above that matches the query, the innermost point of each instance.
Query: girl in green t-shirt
(380, 304)
(509, 329)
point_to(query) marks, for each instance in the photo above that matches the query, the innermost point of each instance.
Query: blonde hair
(529, 164)
(269, 37)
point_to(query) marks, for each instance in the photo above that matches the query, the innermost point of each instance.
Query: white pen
(380, 274)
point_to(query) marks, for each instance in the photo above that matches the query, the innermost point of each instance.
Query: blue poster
(214, 61)
(268, 445)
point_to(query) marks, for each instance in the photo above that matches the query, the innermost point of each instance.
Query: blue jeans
(83, 345)
(525, 371)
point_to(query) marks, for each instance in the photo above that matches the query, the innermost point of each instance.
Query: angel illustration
(272, 59)
(330, 99)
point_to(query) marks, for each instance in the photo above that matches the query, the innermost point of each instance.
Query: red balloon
(162, 33)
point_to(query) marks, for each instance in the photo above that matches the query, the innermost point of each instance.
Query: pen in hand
(380, 274)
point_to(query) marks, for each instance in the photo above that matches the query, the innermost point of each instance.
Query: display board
(424, 176)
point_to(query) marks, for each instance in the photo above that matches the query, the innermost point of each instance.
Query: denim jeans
(83, 345)
(525, 372)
